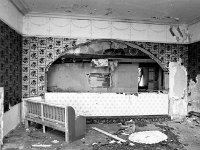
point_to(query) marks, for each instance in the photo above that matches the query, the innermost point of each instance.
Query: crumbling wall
(76, 77)
(178, 90)
(194, 95)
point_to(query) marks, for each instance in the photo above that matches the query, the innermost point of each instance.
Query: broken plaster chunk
(124, 133)
(131, 144)
(112, 142)
(83, 140)
(94, 144)
(55, 141)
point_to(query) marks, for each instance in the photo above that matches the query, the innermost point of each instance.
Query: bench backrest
(46, 111)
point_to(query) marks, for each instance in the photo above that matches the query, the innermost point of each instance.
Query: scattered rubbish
(41, 145)
(148, 137)
(126, 129)
(94, 144)
(55, 141)
(192, 113)
(193, 118)
(131, 144)
(83, 140)
(124, 133)
(108, 134)
(130, 127)
(27, 130)
(113, 141)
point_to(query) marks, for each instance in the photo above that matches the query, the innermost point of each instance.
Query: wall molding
(95, 29)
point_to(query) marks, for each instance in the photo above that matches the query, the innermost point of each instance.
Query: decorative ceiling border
(21, 6)
(85, 17)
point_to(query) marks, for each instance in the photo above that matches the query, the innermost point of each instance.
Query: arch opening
(106, 66)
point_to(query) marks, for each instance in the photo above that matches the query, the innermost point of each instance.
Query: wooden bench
(58, 117)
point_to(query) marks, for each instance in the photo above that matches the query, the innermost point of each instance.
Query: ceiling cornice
(21, 6)
(84, 17)
(196, 20)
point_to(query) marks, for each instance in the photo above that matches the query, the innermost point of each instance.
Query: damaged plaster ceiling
(154, 11)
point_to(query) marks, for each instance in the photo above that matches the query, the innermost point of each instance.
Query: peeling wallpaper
(38, 52)
(10, 65)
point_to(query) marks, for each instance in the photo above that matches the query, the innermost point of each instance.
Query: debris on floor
(179, 137)
(126, 129)
(193, 118)
(148, 137)
(55, 141)
(113, 141)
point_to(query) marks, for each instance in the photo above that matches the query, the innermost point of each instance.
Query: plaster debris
(131, 144)
(130, 127)
(94, 144)
(83, 140)
(112, 142)
(99, 62)
(124, 133)
(55, 141)
(148, 137)
(193, 118)
(41, 145)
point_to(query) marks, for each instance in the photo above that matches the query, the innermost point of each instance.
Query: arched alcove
(75, 64)
(80, 49)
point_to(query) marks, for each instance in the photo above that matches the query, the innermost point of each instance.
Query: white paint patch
(148, 137)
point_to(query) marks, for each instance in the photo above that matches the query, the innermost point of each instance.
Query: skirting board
(123, 119)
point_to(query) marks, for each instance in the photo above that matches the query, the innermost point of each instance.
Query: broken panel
(100, 80)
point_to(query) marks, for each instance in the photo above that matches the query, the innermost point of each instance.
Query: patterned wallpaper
(38, 52)
(167, 52)
(10, 65)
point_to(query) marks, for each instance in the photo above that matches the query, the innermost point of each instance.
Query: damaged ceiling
(154, 11)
